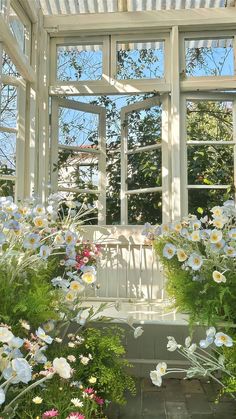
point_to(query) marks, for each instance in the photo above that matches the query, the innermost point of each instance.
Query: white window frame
(125, 192)
(100, 152)
(185, 187)
(90, 40)
(206, 82)
(145, 84)
(27, 26)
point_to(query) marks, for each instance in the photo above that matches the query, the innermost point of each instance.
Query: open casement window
(208, 150)
(144, 159)
(12, 140)
(78, 152)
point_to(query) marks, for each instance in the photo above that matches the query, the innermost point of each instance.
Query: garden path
(175, 399)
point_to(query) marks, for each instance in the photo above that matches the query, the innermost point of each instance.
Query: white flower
(5, 335)
(76, 402)
(195, 236)
(70, 238)
(58, 340)
(71, 358)
(218, 277)
(71, 296)
(37, 400)
(40, 222)
(88, 277)
(223, 339)
(62, 367)
(43, 336)
(156, 375)
(232, 234)
(92, 380)
(76, 286)
(138, 332)
(181, 255)
(219, 222)
(215, 236)
(2, 396)
(169, 250)
(156, 378)
(161, 368)
(192, 348)
(25, 324)
(45, 251)
(217, 211)
(19, 370)
(195, 261)
(230, 251)
(187, 341)
(84, 360)
(172, 345)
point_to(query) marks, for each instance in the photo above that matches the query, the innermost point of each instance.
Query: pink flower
(99, 400)
(51, 414)
(89, 390)
(86, 253)
(75, 415)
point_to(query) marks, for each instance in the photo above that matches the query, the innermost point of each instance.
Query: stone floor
(176, 399)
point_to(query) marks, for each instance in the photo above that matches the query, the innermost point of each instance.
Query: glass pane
(8, 68)
(144, 208)
(144, 127)
(209, 57)
(210, 165)
(210, 121)
(204, 199)
(77, 170)
(7, 153)
(79, 62)
(77, 128)
(17, 28)
(140, 59)
(8, 106)
(144, 169)
(7, 187)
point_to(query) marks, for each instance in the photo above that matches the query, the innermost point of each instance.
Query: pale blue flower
(39, 356)
(88, 268)
(43, 336)
(230, 251)
(232, 234)
(60, 282)
(45, 251)
(12, 225)
(184, 232)
(70, 252)
(147, 228)
(217, 247)
(205, 234)
(19, 370)
(195, 261)
(2, 238)
(169, 251)
(70, 238)
(16, 343)
(32, 241)
(2, 396)
(70, 262)
(223, 339)
(210, 336)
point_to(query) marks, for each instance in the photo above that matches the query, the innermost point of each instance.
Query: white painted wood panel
(128, 269)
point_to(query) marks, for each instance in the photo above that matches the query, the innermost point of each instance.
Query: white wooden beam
(151, 20)
(175, 125)
(10, 45)
(31, 9)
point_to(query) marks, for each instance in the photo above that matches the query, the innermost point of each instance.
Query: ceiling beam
(31, 9)
(114, 22)
(13, 50)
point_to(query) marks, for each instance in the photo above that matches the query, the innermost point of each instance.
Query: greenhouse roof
(62, 7)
